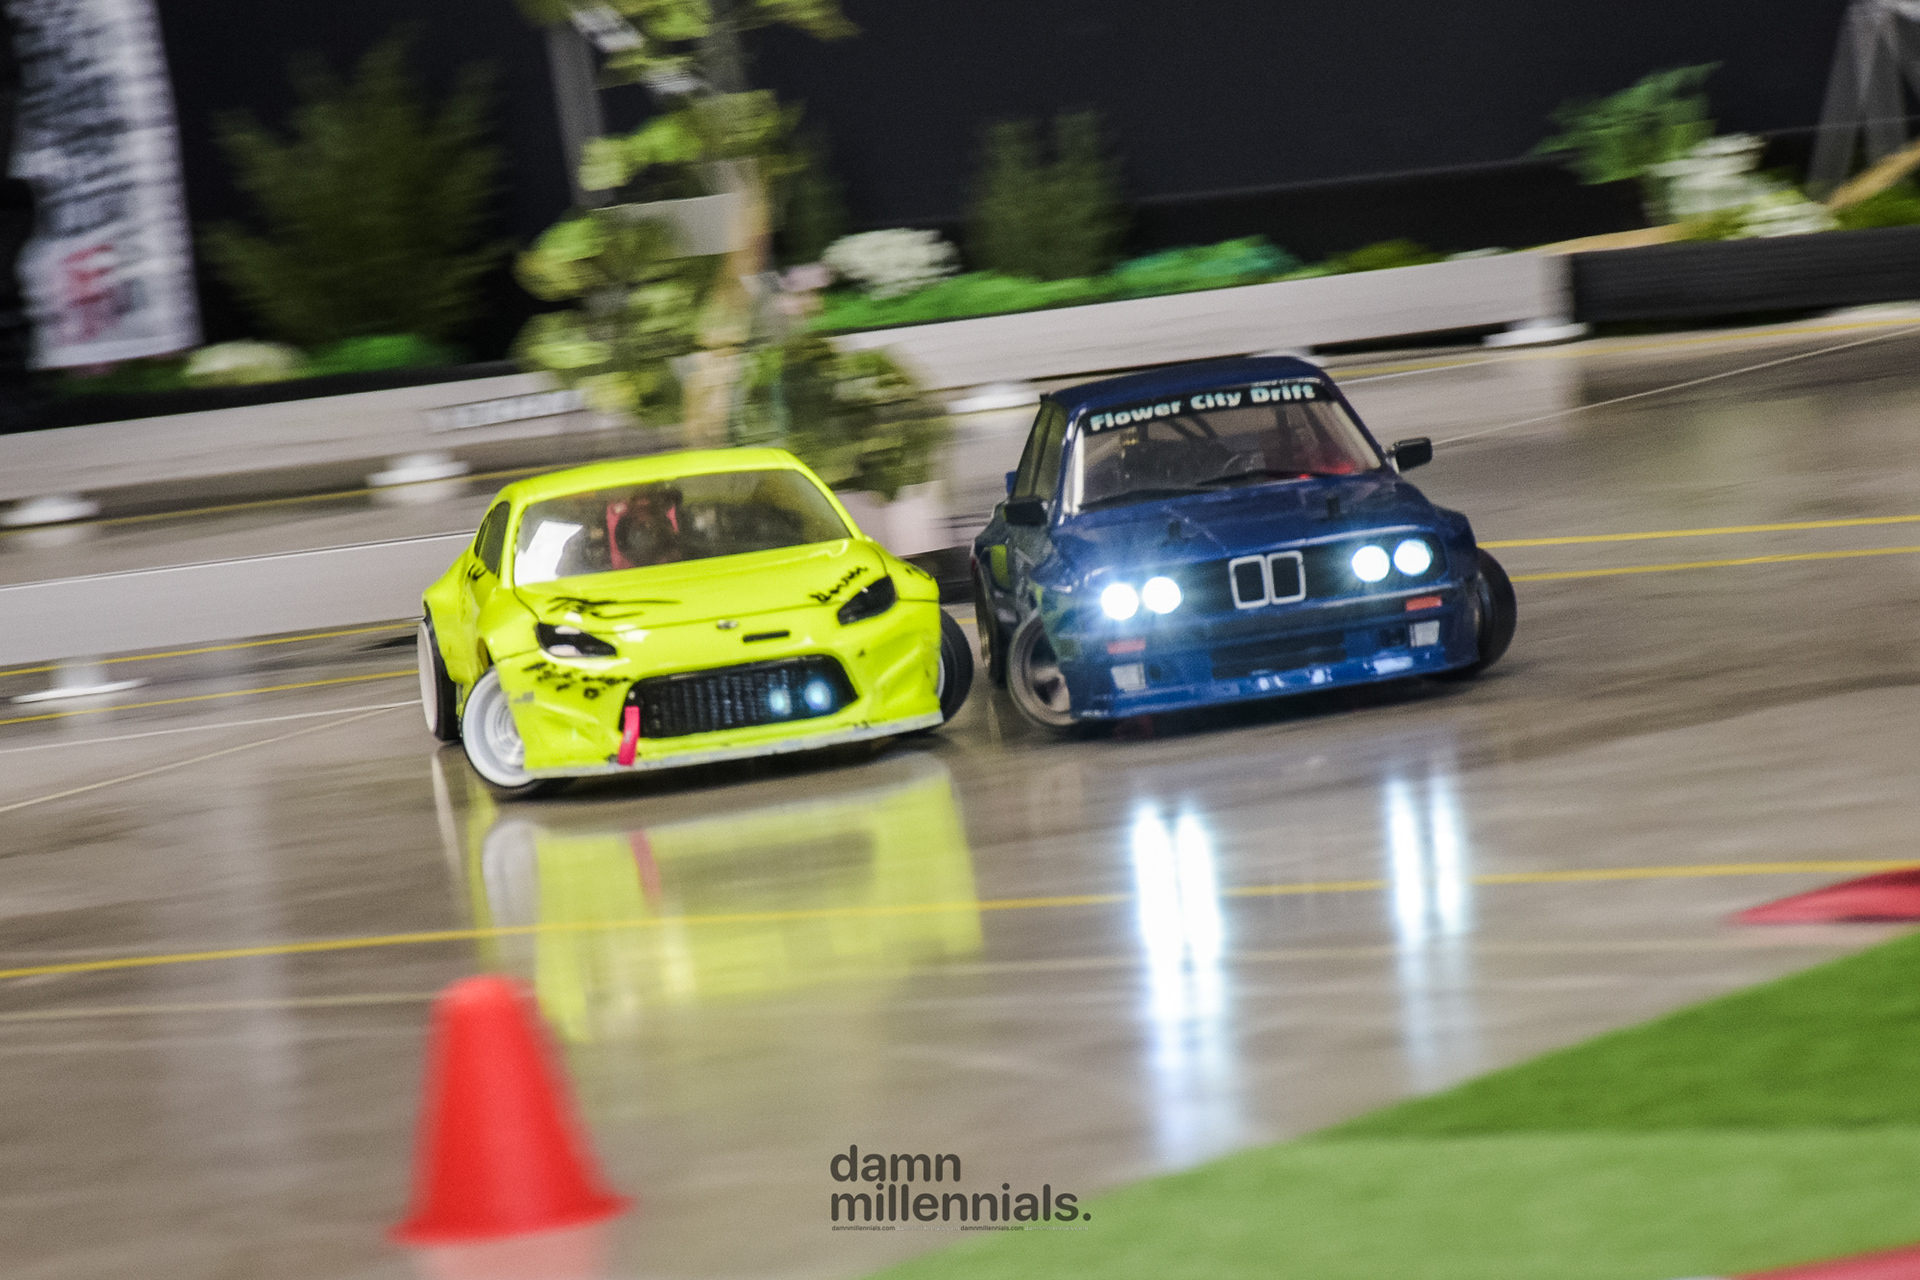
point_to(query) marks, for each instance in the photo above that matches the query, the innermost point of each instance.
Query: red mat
(1895, 1264)
(1890, 895)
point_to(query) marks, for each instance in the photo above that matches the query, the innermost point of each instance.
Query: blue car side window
(1039, 472)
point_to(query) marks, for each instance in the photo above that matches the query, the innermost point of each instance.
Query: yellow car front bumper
(569, 710)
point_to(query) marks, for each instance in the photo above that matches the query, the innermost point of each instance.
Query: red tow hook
(629, 735)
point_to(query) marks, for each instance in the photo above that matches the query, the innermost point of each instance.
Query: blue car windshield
(1200, 443)
(695, 517)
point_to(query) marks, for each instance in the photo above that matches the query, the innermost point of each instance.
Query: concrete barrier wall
(288, 433)
(1472, 293)
(67, 619)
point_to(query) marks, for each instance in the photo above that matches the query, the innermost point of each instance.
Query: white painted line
(175, 764)
(205, 728)
(79, 691)
(1678, 386)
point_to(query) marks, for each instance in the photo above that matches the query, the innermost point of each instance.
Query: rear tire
(1035, 682)
(439, 699)
(493, 745)
(993, 641)
(1496, 615)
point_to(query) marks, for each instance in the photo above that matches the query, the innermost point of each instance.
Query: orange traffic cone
(499, 1152)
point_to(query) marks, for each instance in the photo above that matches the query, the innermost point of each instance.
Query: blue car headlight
(1370, 563)
(1120, 602)
(1413, 557)
(1160, 594)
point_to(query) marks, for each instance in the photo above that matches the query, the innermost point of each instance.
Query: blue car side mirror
(1031, 512)
(1011, 476)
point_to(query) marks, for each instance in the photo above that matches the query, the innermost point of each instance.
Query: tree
(374, 211)
(1046, 220)
(1625, 135)
(660, 335)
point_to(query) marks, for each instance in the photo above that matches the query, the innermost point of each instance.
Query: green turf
(1838, 1045)
(1777, 1125)
(1584, 1206)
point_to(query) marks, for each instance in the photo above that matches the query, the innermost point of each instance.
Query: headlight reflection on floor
(1192, 1060)
(1430, 901)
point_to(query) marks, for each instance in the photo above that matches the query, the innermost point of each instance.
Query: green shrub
(374, 211)
(1231, 262)
(1380, 256)
(1726, 224)
(1626, 134)
(380, 351)
(1045, 220)
(1897, 206)
(985, 293)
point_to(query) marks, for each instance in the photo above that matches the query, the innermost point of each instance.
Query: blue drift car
(1219, 532)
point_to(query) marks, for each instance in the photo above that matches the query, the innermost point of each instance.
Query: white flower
(886, 264)
(227, 364)
(1785, 213)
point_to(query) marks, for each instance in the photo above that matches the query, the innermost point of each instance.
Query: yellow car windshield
(693, 517)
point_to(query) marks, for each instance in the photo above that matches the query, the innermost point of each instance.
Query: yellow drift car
(675, 610)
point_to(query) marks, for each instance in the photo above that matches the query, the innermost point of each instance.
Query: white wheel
(492, 740)
(1034, 678)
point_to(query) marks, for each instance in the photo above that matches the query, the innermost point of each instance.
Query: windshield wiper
(1266, 473)
(1141, 495)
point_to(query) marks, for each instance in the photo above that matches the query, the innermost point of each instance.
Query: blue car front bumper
(1284, 650)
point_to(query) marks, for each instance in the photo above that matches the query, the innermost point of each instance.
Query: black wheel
(439, 700)
(956, 667)
(993, 641)
(1495, 615)
(493, 746)
(1035, 681)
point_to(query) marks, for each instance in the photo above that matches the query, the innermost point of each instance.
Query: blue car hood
(1236, 521)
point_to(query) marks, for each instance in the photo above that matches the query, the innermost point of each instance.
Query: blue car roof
(1180, 379)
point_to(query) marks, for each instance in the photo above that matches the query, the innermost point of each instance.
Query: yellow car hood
(819, 574)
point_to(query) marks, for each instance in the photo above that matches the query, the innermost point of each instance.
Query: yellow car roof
(645, 470)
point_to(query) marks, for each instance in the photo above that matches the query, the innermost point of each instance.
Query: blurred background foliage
(1624, 135)
(1042, 218)
(372, 215)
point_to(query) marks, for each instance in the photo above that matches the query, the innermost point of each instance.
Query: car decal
(824, 597)
(558, 679)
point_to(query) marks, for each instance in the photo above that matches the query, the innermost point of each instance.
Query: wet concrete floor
(1067, 963)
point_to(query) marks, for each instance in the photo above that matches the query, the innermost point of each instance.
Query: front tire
(439, 699)
(1035, 681)
(493, 745)
(1496, 615)
(993, 641)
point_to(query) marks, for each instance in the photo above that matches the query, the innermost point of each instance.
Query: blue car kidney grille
(740, 697)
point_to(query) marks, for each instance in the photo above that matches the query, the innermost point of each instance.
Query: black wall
(1206, 96)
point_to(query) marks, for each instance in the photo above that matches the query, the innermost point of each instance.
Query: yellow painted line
(1859, 522)
(219, 648)
(208, 697)
(1709, 564)
(428, 937)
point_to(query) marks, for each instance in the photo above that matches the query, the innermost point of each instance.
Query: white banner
(109, 272)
